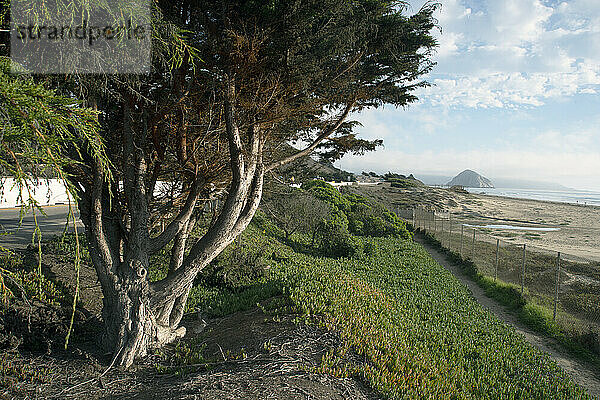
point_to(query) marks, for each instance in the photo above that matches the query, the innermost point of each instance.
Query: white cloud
(448, 44)
(581, 141)
(515, 53)
(511, 89)
(513, 22)
(384, 124)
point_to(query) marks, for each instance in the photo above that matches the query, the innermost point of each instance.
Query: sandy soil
(579, 233)
(579, 226)
(256, 354)
(249, 356)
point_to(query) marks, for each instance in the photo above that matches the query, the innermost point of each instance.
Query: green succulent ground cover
(415, 328)
(408, 328)
(535, 309)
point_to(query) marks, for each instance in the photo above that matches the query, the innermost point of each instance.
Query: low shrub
(352, 214)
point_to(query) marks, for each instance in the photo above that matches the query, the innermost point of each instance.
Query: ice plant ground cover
(416, 329)
(407, 327)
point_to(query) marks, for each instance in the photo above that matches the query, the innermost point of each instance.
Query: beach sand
(579, 226)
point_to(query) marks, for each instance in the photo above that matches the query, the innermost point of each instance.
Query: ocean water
(583, 197)
(515, 228)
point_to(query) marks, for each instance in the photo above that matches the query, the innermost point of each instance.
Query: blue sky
(516, 95)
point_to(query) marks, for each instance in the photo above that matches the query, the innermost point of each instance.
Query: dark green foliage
(263, 223)
(240, 277)
(375, 220)
(29, 286)
(324, 191)
(356, 201)
(390, 176)
(402, 181)
(404, 184)
(339, 177)
(243, 264)
(66, 245)
(334, 239)
(505, 293)
(24, 283)
(352, 214)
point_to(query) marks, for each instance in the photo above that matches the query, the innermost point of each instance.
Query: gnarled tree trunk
(140, 315)
(130, 324)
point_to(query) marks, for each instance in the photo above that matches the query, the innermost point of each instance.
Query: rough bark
(241, 203)
(131, 329)
(170, 314)
(140, 315)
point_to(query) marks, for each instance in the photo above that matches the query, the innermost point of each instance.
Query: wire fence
(564, 286)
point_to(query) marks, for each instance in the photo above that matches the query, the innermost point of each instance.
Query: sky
(515, 94)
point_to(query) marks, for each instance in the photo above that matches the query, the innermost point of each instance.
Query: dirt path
(583, 374)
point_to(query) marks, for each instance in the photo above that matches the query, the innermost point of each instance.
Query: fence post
(496, 264)
(557, 285)
(442, 234)
(462, 237)
(523, 271)
(428, 227)
(473, 246)
(414, 219)
(434, 223)
(450, 234)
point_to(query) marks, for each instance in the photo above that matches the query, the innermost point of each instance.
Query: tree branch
(223, 232)
(179, 222)
(134, 184)
(91, 212)
(324, 135)
(236, 154)
(238, 210)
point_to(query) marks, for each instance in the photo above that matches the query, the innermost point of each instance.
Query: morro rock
(469, 178)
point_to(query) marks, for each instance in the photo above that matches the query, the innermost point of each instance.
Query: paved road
(13, 236)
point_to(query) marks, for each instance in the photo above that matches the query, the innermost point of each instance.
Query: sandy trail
(583, 374)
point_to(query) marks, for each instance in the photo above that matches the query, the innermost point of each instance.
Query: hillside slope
(397, 321)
